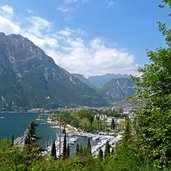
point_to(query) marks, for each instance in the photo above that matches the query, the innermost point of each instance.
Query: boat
(72, 140)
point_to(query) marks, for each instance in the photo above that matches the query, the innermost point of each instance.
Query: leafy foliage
(107, 149)
(31, 149)
(153, 122)
(53, 150)
(65, 145)
(113, 124)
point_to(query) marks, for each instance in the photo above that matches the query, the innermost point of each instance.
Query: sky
(88, 37)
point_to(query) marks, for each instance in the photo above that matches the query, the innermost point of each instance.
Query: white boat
(95, 138)
(72, 140)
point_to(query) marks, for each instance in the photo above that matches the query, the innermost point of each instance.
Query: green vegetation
(89, 120)
(107, 149)
(117, 90)
(100, 155)
(89, 147)
(31, 148)
(113, 125)
(153, 121)
(146, 142)
(11, 158)
(65, 145)
(53, 150)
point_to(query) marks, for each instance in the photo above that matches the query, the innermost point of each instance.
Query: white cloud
(30, 11)
(69, 50)
(65, 32)
(63, 8)
(7, 26)
(67, 6)
(38, 25)
(39, 32)
(7, 10)
(95, 58)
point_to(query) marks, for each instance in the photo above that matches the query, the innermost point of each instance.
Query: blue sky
(89, 37)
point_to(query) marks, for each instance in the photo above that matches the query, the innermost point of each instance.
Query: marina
(97, 141)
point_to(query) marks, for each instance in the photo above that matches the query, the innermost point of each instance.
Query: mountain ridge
(117, 90)
(100, 80)
(31, 79)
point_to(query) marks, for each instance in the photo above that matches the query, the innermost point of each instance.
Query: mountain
(117, 90)
(83, 79)
(30, 79)
(100, 81)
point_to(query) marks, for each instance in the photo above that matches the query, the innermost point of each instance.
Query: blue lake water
(17, 123)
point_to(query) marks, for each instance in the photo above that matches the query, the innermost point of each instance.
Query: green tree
(153, 122)
(77, 149)
(68, 151)
(12, 140)
(65, 145)
(113, 124)
(89, 146)
(100, 155)
(53, 150)
(81, 149)
(107, 149)
(85, 123)
(11, 157)
(127, 130)
(85, 113)
(31, 149)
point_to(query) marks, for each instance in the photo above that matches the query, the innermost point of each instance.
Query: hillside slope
(29, 78)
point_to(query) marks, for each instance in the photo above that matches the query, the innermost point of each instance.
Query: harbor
(98, 141)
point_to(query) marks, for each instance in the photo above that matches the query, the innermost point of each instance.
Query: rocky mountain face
(117, 90)
(101, 80)
(84, 80)
(30, 79)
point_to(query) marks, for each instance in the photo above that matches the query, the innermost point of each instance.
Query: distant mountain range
(111, 87)
(84, 80)
(30, 79)
(117, 90)
(101, 80)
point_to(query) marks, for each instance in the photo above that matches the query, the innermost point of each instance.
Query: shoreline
(69, 129)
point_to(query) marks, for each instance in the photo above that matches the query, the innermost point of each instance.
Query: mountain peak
(28, 76)
(100, 80)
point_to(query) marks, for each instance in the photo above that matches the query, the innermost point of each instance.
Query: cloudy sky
(89, 37)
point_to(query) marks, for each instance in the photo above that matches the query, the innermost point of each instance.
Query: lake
(17, 123)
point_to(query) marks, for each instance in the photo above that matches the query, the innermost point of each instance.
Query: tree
(31, 149)
(113, 124)
(107, 149)
(127, 130)
(85, 123)
(100, 155)
(12, 140)
(53, 150)
(89, 146)
(11, 157)
(81, 149)
(153, 121)
(77, 149)
(68, 151)
(64, 145)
